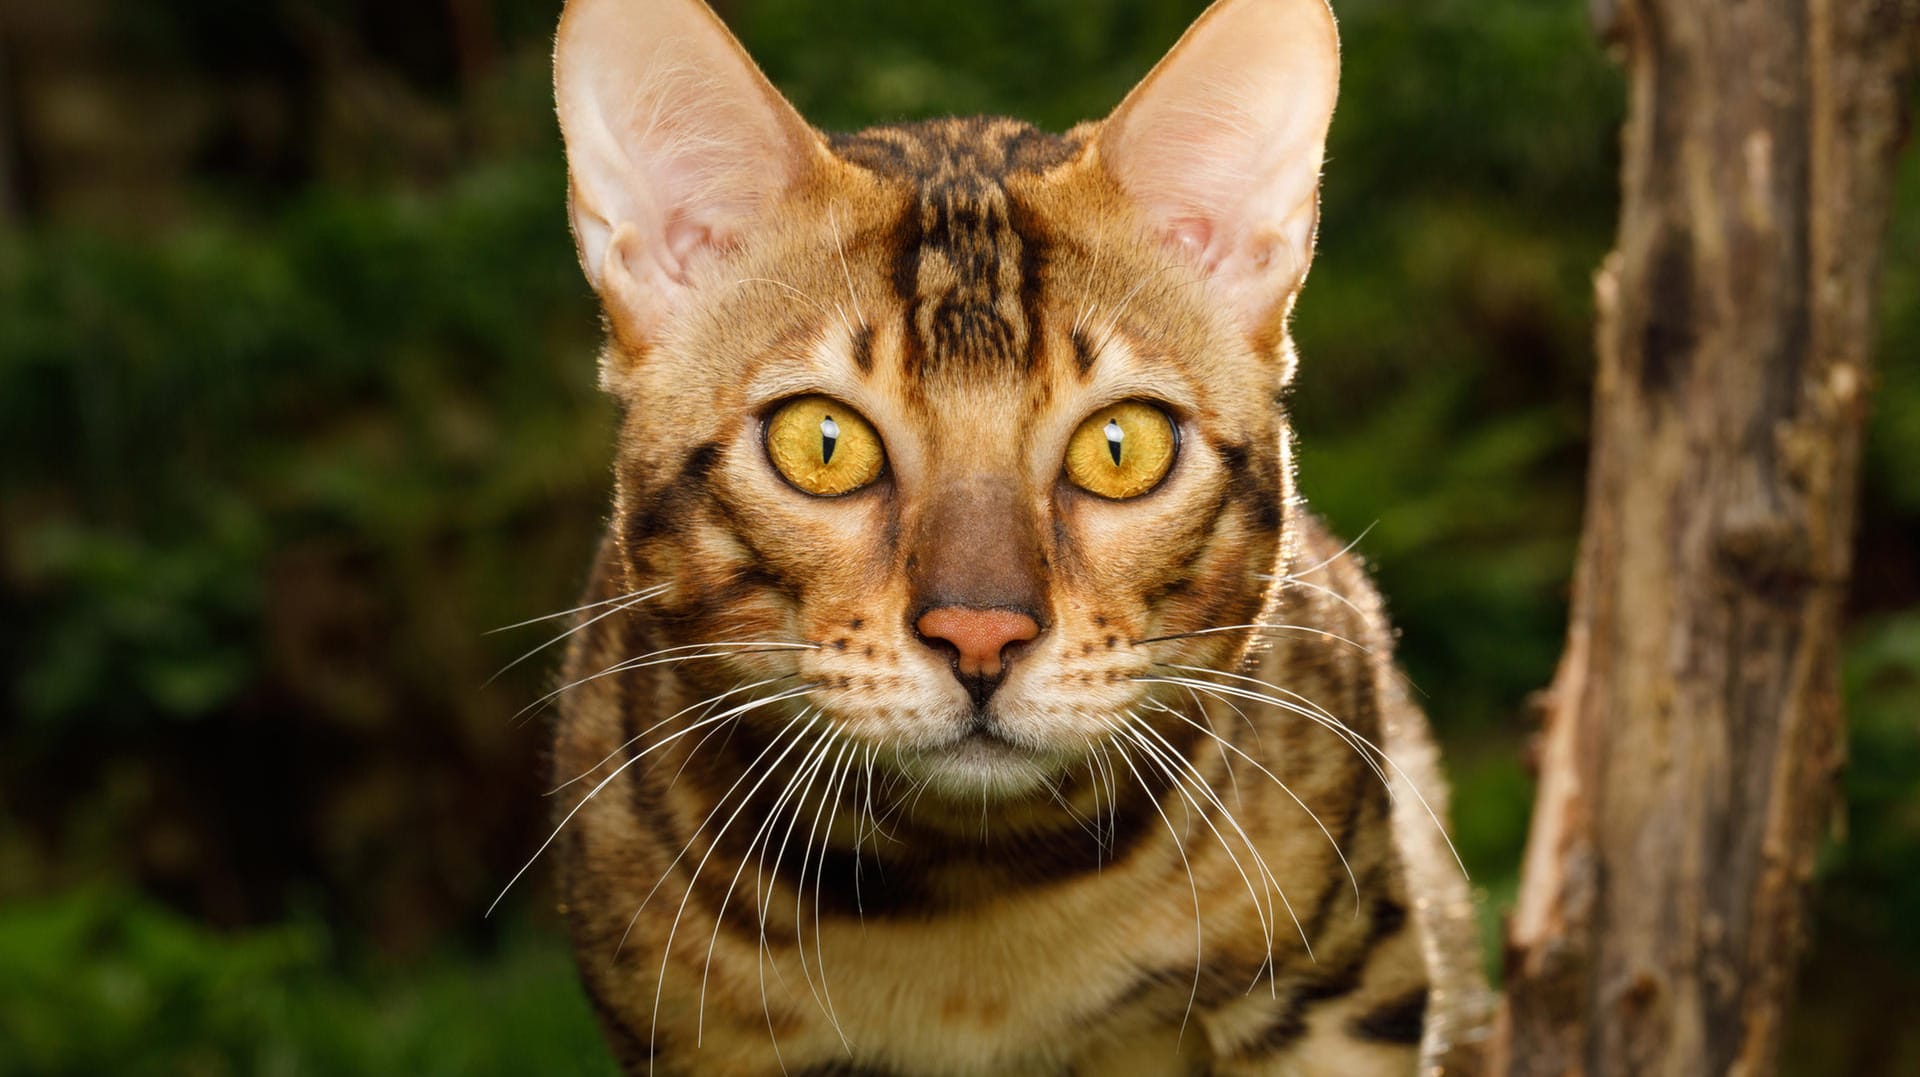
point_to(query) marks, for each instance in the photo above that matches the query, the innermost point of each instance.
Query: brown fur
(975, 288)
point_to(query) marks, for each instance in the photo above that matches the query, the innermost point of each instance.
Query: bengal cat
(963, 688)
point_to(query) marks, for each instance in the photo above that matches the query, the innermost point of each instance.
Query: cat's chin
(981, 766)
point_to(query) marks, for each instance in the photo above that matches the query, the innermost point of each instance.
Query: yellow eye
(1121, 451)
(823, 447)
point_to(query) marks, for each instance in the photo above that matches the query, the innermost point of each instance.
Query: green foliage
(104, 982)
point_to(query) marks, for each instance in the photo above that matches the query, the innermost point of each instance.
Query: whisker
(736, 649)
(589, 622)
(1348, 731)
(1199, 937)
(713, 844)
(1295, 581)
(1086, 294)
(1256, 627)
(709, 701)
(799, 940)
(571, 612)
(1284, 787)
(1089, 827)
(1332, 724)
(861, 832)
(1167, 757)
(840, 248)
(1344, 551)
(830, 793)
(817, 305)
(1200, 707)
(621, 769)
(773, 814)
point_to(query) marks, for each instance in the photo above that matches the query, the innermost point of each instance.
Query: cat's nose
(979, 639)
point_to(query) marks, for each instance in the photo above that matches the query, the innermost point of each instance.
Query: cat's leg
(1347, 1038)
(1362, 1022)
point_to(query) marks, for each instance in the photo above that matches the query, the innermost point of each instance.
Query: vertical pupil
(829, 437)
(1115, 436)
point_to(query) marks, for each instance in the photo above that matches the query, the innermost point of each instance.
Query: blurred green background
(296, 402)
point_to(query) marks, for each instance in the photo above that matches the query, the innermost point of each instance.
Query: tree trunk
(1694, 730)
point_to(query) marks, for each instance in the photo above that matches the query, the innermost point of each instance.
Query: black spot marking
(700, 463)
(1281, 1033)
(657, 508)
(1250, 484)
(863, 350)
(1389, 916)
(1083, 354)
(1399, 1021)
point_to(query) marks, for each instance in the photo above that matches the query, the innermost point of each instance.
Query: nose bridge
(976, 545)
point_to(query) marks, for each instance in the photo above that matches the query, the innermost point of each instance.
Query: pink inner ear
(685, 239)
(1192, 236)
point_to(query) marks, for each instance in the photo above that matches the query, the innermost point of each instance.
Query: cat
(963, 688)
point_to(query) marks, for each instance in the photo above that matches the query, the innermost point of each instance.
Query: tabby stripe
(1386, 919)
(863, 349)
(1035, 254)
(656, 512)
(1259, 491)
(629, 1051)
(1399, 1021)
(1083, 354)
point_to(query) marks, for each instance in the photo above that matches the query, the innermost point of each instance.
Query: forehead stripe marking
(967, 262)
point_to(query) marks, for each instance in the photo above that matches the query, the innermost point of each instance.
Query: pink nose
(978, 635)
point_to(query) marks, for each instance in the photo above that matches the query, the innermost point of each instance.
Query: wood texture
(1694, 730)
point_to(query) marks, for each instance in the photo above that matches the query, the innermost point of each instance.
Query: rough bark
(1694, 729)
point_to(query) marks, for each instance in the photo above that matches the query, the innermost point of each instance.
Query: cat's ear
(1221, 146)
(675, 140)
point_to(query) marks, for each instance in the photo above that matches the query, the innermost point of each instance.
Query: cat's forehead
(962, 153)
(967, 257)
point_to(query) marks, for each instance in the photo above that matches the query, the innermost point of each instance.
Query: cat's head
(959, 427)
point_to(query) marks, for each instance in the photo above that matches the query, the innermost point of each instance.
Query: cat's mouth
(982, 760)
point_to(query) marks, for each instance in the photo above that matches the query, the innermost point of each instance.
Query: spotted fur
(790, 842)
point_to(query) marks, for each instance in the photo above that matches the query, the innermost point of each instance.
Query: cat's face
(964, 430)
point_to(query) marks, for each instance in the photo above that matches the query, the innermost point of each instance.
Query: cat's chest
(1026, 990)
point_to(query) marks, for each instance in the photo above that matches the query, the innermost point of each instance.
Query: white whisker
(621, 769)
(1342, 729)
(1333, 842)
(577, 609)
(595, 619)
(709, 702)
(1321, 632)
(733, 649)
(1199, 935)
(666, 951)
(1167, 758)
(1344, 551)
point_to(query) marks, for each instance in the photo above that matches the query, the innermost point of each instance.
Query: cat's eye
(823, 447)
(1121, 451)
